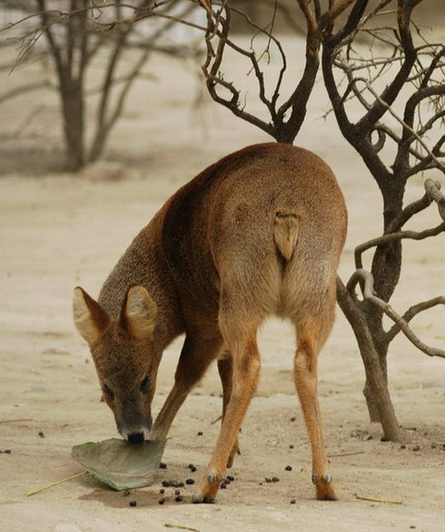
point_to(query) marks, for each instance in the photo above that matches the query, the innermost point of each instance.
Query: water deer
(258, 233)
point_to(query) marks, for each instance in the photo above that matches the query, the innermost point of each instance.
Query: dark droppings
(172, 484)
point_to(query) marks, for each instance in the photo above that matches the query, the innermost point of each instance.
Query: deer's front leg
(196, 356)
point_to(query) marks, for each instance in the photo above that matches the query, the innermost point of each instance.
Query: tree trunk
(98, 145)
(386, 267)
(376, 389)
(73, 123)
(372, 401)
(373, 319)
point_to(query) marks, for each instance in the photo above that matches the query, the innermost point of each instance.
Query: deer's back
(219, 227)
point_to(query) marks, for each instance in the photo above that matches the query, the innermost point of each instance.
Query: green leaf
(119, 464)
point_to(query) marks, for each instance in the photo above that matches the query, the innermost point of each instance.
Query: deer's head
(122, 350)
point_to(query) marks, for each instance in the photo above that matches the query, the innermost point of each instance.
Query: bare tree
(398, 82)
(77, 32)
(399, 86)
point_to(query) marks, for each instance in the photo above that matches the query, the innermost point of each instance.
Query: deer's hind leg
(311, 336)
(225, 369)
(240, 339)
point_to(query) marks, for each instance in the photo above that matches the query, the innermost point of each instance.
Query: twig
(216, 420)
(56, 483)
(14, 420)
(182, 527)
(345, 454)
(431, 155)
(373, 499)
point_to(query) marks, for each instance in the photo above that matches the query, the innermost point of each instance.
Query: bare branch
(394, 237)
(393, 232)
(433, 190)
(23, 89)
(404, 124)
(414, 311)
(408, 212)
(334, 12)
(393, 89)
(24, 124)
(366, 280)
(218, 28)
(286, 113)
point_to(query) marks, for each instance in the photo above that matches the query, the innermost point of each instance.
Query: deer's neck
(144, 264)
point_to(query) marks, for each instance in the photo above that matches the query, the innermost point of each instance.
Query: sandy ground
(58, 231)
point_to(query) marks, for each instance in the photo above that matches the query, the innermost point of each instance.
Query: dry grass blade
(56, 483)
(373, 499)
(181, 527)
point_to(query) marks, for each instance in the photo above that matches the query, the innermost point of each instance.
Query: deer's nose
(136, 438)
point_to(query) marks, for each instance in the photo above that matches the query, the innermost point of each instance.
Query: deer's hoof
(199, 498)
(325, 489)
(208, 487)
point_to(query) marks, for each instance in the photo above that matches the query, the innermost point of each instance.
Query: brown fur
(258, 233)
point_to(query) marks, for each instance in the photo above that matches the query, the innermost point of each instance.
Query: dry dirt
(58, 231)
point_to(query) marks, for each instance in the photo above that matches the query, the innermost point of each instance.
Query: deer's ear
(90, 318)
(139, 314)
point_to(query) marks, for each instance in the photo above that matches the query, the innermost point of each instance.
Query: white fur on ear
(90, 318)
(141, 313)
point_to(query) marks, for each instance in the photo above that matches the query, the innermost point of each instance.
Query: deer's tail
(286, 233)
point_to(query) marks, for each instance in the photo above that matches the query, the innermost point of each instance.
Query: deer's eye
(145, 385)
(108, 392)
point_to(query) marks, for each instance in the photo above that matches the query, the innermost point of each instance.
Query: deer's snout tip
(136, 438)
